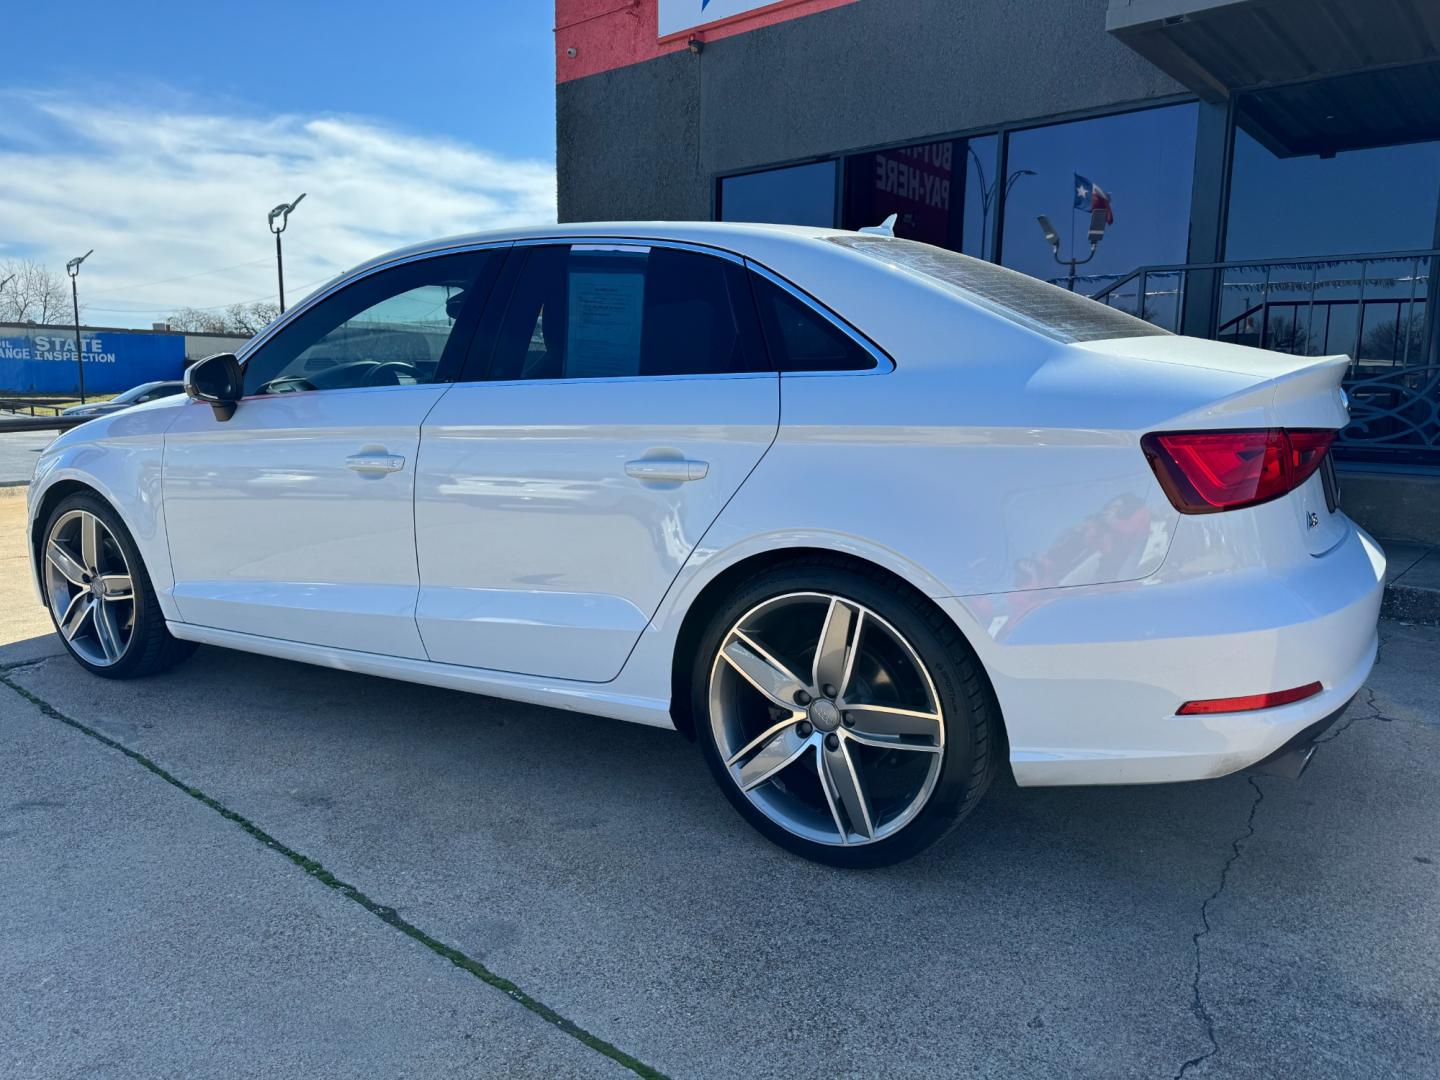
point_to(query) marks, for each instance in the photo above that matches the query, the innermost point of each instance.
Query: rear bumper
(1089, 679)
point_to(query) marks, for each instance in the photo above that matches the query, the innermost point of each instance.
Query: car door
(294, 518)
(618, 397)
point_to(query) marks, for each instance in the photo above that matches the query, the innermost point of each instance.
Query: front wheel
(843, 715)
(99, 595)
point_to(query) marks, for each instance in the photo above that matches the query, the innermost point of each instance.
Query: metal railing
(35, 414)
(32, 406)
(10, 422)
(1377, 308)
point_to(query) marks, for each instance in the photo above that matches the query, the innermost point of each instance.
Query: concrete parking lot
(248, 867)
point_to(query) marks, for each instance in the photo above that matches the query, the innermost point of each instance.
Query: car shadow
(543, 786)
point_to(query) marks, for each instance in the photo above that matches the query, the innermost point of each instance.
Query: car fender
(119, 456)
(647, 671)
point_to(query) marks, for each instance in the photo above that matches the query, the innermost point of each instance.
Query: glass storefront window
(798, 195)
(1377, 199)
(1143, 161)
(942, 193)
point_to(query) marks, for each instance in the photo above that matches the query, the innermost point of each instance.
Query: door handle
(665, 470)
(375, 463)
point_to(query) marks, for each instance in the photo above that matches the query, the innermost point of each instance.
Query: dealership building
(1268, 170)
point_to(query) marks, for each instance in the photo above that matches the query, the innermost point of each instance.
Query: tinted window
(942, 193)
(1056, 312)
(800, 338)
(595, 311)
(799, 195)
(389, 329)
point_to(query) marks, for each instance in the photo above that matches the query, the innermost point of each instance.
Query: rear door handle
(375, 463)
(665, 470)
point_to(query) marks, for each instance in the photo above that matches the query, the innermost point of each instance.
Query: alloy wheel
(89, 587)
(826, 718)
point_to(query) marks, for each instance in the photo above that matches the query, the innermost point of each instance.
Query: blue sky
(159, 133)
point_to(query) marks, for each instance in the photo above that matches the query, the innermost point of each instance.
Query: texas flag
(1089, 196)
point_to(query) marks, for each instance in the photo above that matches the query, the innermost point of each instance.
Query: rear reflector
(1204, 472)
(1249, 703)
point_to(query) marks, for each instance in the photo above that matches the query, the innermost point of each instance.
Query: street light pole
(283, 213)
(1016, 175)
(1096, 234)
(987, 195)
(73, 269)
(280, 269)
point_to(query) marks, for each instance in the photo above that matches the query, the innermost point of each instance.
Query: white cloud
(166, 194)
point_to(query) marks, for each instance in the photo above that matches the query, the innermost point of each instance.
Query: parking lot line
(317, 871)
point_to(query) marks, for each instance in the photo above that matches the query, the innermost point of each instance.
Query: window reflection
(798, 195)
(942, 193)
(1337, 170)
(1371, 200)
(1143, 161)
(1371, 309)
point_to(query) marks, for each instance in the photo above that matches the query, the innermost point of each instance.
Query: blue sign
(42, 360)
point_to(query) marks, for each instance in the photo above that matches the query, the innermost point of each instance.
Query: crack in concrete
(1197, 1000)
(1197, 996)
(1382, 640)
(1340, 729)
(350, 892)
(21, 665)
(1376, 713)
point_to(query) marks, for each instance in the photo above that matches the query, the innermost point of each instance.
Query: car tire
(907, 664)
(121, 637)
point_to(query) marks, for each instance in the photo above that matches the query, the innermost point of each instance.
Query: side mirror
(218, 381)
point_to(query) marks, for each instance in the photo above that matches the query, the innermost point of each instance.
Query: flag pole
(1072, 247)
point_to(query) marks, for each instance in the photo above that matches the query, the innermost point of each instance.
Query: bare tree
(1387, 340)
(33, 293)
(197, 321)
(251, 318)
(248, 319)
(1287, 335)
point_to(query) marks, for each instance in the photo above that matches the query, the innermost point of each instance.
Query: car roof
(793, 251)
(872, 296)
(726, 235)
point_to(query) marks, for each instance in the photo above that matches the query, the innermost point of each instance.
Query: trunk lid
(1294, 392)
(1303, 391)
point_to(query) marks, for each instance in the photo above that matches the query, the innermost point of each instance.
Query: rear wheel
(844, 717)
(99, 595)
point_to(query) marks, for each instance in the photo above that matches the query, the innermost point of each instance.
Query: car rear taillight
(1250, 702)
(1204, 472)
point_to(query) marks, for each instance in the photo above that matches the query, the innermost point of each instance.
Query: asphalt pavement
(248, 867)
(18, 451)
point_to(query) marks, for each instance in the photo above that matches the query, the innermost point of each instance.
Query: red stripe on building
(592, 36)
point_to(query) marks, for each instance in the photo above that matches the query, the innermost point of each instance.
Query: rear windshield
(1049, 309)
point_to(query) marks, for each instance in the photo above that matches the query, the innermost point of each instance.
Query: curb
(14, 487)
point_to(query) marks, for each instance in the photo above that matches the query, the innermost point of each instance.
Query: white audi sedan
(868, 520)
